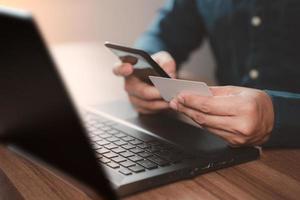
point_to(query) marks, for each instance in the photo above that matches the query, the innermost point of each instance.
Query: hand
(144, 97)
(241, 116)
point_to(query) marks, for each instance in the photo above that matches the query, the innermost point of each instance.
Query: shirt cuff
(286, 130)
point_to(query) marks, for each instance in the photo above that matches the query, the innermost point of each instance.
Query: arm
(177, 29)
(286, 131)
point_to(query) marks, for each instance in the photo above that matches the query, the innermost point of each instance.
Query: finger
(214, 105)
(224, 90)
(162, 57)
(219, 122)
(259, 140)
(155, 105)
(216, 124)
(123, 69)
(262, 141)
(140, 89)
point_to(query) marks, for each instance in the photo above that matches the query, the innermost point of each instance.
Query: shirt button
(256, 21)
(254, 74)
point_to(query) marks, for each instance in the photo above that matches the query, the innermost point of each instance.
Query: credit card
(170, 88)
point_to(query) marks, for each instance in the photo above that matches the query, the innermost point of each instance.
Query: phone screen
(142, 68)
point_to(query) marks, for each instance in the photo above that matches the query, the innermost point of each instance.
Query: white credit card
(170, 88)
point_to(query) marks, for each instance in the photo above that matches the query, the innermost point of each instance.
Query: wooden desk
(88, 66)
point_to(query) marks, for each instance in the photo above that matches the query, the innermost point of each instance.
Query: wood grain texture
(275, 176)
(7, 189)
(34, 182)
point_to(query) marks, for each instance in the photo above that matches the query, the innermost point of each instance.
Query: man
(256, 45)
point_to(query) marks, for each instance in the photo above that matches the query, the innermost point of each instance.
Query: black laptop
(103, 155)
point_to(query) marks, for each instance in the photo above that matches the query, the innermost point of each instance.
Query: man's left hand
(241, 116)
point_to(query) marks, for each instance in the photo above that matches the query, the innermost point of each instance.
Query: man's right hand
(144, 97)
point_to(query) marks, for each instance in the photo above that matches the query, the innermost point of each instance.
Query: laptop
(106, 155)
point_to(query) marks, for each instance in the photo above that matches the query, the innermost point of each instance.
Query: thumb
(170, 69)
(166, 61)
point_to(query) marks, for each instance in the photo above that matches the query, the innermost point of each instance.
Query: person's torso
(256, 42)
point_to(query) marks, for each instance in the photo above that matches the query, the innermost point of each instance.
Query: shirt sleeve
(286, 131)
(177, 28)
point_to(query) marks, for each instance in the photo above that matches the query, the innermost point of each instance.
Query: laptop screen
(36, 114)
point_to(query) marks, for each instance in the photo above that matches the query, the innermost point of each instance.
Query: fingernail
(173, 105)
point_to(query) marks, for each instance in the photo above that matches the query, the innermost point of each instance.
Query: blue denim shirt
(256, 44)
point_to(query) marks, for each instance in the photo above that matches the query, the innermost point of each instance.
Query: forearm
(286, 131)
(177, 29)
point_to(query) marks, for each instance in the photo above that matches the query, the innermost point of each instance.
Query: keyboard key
(104, 160)
(127, 138)
(120, 143)
(145, 154)
(99, 156)
(96, 146)
(135, 158)
(112, 139)
(135, 142)
(158, 160)
(113, 165)
(128, 146)
(105, 128)
(119, 159)
(111, 146)
(92, 134)
(120, 135)
(102, 142)
(154, 142)
(127, 154)
(91, 129)
(154, 149)
(104, 135)
(110, 155)
(102, 151)
(98, 125)
(136, 150)
(96, 138)
(135, 133)
(99, 132)
(125, 171)
(112, 131)
(127, 163)
(118, 150)
(143, 146)
(137, 169)
(109, 123)
(147, 164)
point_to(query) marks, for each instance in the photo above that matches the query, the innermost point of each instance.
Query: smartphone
(144, 66)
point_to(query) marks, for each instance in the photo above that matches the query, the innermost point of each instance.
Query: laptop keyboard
(129, 152)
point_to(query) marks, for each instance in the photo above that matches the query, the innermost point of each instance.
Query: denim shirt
(256, 43)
